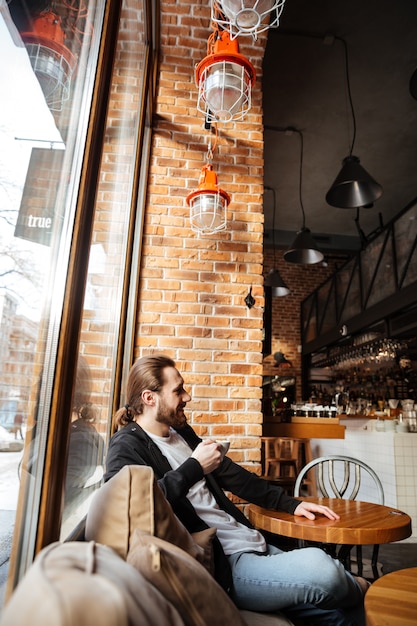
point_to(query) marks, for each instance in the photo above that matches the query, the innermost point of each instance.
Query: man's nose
(186, 397)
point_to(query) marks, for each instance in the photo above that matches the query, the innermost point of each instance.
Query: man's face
(172, 400)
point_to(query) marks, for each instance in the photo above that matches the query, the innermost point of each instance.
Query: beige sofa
(137, 566)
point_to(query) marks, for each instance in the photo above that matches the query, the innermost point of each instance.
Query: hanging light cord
(300, 181)
(273, 221)
(349, 92)
(300, 184)
(211, 148)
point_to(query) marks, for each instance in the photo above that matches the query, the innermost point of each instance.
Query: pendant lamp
(276, 282)
(208, 204)
(273, 278)
(246, 17)
(353, 186)
(224, 79)
(304, 250)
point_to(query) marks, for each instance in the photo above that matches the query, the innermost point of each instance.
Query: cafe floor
(392, 556)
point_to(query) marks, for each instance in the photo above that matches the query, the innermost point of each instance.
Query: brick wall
(192, 290)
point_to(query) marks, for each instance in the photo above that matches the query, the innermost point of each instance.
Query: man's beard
(169, 417)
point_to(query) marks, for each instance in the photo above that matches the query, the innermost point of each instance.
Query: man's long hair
(146, 373)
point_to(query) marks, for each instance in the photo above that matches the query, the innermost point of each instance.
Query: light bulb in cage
(52, 62)
(247, 17)
(208, 204)
(224, 79)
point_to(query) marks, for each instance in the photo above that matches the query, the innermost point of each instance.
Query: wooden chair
(341, 477)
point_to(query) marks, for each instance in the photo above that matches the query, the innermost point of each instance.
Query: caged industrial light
(224, 79)
(246, 17)
(52, 62)
(208, 203)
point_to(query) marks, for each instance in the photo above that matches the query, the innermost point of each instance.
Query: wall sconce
(52, 62)
(353, 187)
(208, 203)
(224, 79)
(246, 17)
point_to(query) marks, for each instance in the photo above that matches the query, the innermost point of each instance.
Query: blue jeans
(305, 584)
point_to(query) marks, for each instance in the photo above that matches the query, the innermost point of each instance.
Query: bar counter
(304, 431)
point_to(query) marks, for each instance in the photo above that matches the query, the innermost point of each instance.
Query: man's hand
(209, 454)
(307, 509)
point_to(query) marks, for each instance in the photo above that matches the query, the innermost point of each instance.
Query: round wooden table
(392, 599)
(360, 523)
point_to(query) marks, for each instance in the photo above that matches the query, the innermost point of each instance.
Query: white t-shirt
(234, 536)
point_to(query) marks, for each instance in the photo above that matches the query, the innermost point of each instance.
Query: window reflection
(45, 196)
(86, 446)
(40, 149)
(26, 125)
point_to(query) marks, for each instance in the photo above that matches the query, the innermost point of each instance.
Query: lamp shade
(275, 281)
(304, 250)
(224, 79)
(353, 187)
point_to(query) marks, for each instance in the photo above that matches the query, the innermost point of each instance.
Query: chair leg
(359, 560)
(374, 561)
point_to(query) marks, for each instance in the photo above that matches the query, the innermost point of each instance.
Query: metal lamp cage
(53, 71)
(52, 62)
(208, 204)
(208, 213)
(224, 79)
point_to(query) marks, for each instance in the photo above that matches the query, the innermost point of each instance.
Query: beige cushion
(132, 500)
(85, 584)
(183, 581)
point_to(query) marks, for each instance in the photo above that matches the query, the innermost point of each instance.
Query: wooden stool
(286, 458)
(267, 451)
(305, 456)
(392, 599)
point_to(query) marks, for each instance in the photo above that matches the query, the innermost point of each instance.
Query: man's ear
(148, 397)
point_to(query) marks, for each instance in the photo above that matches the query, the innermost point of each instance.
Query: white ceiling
(304, 87)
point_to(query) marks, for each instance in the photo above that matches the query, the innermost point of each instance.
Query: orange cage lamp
(208, 204)
(52, 62)
(224, 79)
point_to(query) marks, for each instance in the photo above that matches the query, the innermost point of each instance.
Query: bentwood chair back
(339, 476)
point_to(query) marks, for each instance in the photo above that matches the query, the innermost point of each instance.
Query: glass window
(72, 124)
(102, 316)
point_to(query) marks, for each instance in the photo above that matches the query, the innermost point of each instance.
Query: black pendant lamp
(304, 250)
(273, 278)
(353, 187)
(276, 282)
